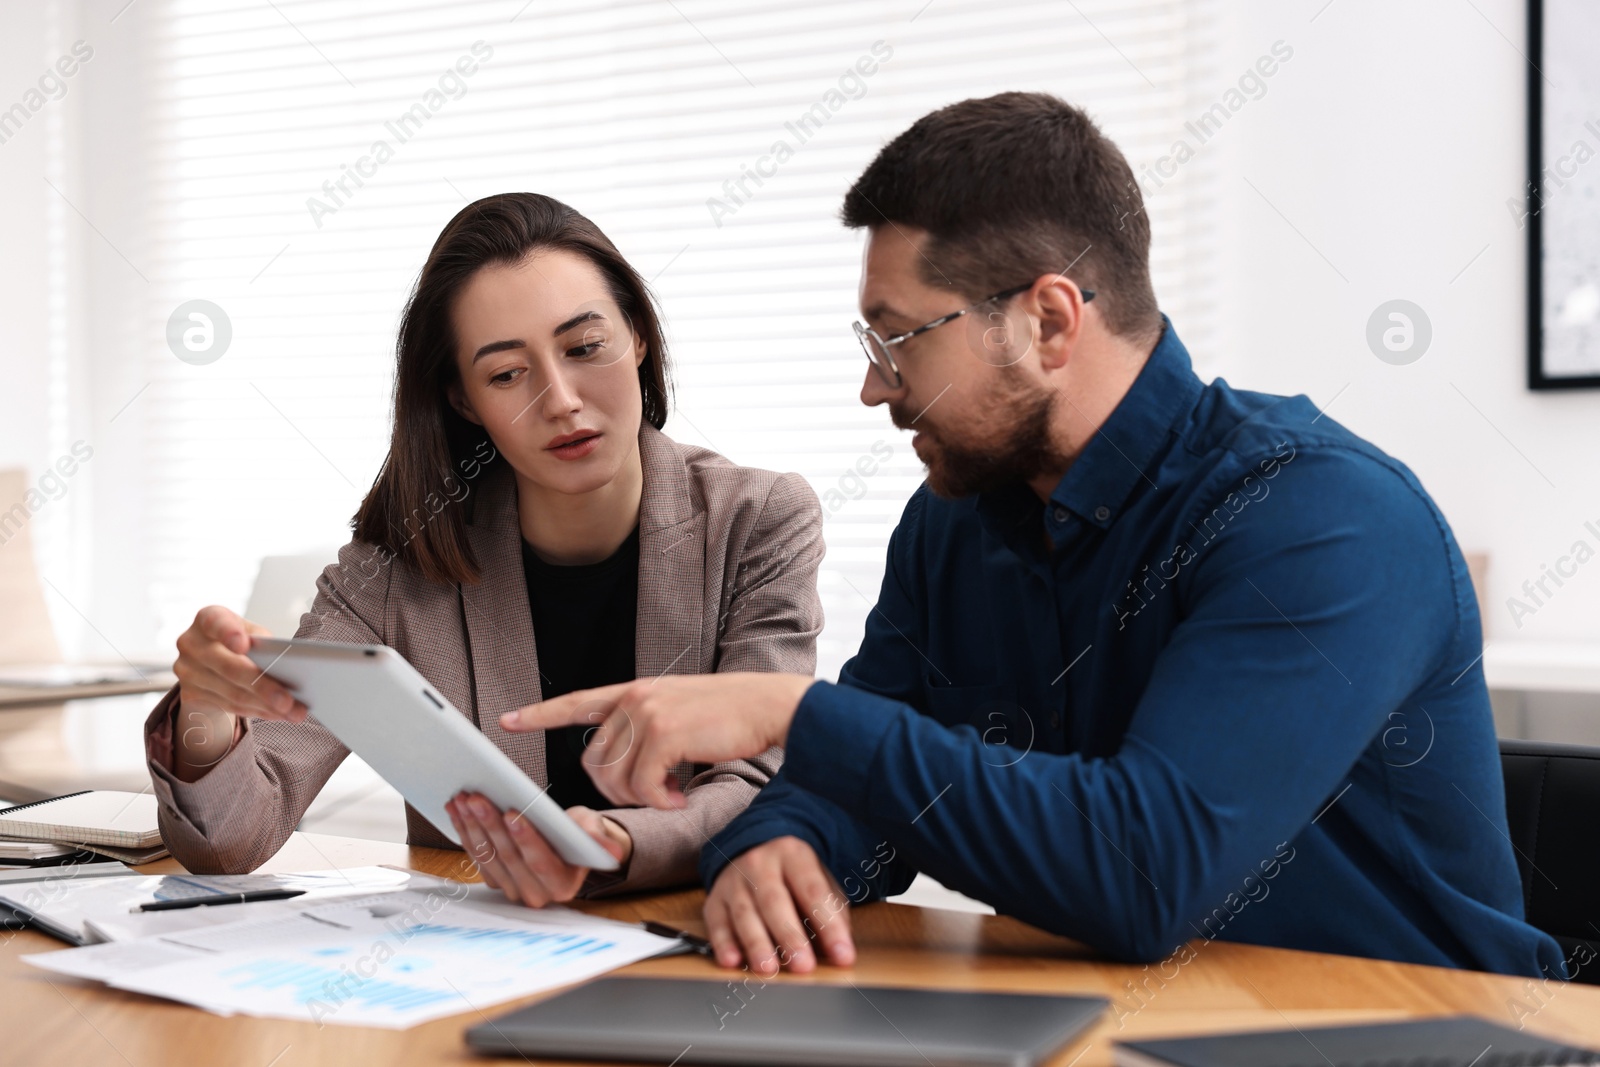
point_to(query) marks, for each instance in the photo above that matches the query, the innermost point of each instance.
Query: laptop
(784, 1024)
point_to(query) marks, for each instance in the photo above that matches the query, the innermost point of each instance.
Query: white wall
(1390, 141)
(24, 321)
(69, 361)
(37, 344)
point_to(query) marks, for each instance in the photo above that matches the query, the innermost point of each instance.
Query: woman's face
(549, 367)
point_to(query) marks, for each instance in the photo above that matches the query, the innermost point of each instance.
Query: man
(1152, 661)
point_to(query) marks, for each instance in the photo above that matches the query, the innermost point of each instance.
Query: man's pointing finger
(584, 706)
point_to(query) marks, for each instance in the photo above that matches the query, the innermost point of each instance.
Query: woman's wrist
(201, 739)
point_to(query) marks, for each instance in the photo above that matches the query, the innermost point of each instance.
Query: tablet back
(778, 1024)
(380, 708)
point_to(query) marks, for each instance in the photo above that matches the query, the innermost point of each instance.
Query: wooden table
(60, 747)
(50, 1019)
(157, 680)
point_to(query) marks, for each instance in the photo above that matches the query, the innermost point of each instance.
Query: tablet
(381, 709)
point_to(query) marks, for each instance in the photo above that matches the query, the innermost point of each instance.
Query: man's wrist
(793, 688)
(833, 750)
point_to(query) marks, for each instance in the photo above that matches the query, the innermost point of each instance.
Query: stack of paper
(391, 960)
(117, 824)
(27, 853)
(85, 910)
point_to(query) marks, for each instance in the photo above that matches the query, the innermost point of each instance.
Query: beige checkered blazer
(728, 561)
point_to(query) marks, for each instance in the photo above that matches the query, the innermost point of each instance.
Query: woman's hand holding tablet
(218, 687)
(514, 857)
(220, 684)
(377, 705)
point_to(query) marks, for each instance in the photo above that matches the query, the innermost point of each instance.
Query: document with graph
(392, 961)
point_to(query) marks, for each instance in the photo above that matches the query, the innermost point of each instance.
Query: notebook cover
(1459, 1040)
(99, 817)
(134, 857)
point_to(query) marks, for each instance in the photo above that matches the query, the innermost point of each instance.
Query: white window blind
(646, 116)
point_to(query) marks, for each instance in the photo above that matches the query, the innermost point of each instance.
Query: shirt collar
(1121, 454)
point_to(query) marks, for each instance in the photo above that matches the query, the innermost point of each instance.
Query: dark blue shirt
(1226, 683)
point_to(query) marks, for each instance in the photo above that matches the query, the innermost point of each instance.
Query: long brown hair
(414, 508)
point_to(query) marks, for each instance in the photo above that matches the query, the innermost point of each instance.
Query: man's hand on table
(767, 905)
(514, 858)
(645, 728)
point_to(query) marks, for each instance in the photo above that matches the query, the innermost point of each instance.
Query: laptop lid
(782, 1024)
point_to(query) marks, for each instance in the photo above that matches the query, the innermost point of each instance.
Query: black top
(583, 628)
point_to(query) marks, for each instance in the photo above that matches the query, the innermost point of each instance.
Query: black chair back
(1553, 808)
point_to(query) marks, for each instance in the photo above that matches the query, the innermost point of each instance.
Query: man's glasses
(878, 348)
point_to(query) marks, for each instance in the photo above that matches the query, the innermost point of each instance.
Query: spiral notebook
(103, 817)
(1459, 1040)
(37, 853)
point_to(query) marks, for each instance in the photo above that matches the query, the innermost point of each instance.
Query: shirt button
(1059, 514)
(1102, 513)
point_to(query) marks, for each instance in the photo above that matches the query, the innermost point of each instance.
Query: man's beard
(961, 466)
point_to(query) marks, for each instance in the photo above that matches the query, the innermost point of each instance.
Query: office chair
(1553, 807)
(284, 588)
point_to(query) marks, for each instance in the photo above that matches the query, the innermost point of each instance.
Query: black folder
(1457, 1041)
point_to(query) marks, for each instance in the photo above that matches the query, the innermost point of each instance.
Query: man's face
(979, 408)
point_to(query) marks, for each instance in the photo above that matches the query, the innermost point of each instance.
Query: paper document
(89, 910)
(392, 960)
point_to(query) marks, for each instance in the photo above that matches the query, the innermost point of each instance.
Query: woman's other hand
(514, 857)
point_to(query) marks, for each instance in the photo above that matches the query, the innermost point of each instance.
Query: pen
(229, 898)
(698, 944)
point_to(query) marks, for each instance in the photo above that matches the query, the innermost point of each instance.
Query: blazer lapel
(672, 557)
(671, 606)
(505, 660)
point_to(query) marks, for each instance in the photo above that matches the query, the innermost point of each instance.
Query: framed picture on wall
(1561, 211)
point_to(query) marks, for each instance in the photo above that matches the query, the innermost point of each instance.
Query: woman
(532, 532)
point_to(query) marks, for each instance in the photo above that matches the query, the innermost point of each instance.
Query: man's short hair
(1010, 187)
